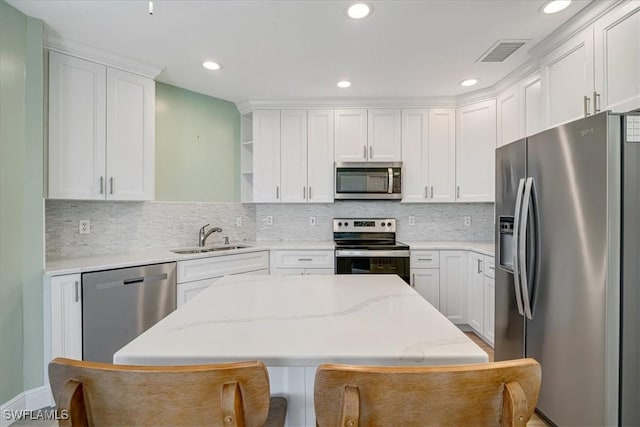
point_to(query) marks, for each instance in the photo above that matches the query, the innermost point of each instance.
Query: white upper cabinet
(367, 135)
(266, 156)
(442, 155)
(567, 79)
(617, 59)
(351, 135)
(383, 135)
(509, 117)
(130, 136)
(101, 132)
(531, 113)
(293, 160)
(475, 151)
(320, 146)
(77, 128)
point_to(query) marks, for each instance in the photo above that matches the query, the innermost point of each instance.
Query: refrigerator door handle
(522, 254)
(516, 238)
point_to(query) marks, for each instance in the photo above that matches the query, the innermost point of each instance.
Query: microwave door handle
(390, 190)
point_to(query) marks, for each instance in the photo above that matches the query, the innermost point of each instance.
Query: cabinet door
(266, 156)
(130, 136)
(186, 291)
(66, 316)
(384, 135)
(77, 120)
(475, 152)
(351, 135)
(320, 158)
(476, 292)
(293, 159)
(442, 155)
(427, 283)
(453, 285)
(415, 155)
(567, 77)
(532, 115)
(489, 308)
(508, 115)
(617, 59)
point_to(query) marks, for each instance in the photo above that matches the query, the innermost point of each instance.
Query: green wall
(197, 147)
(21, 205)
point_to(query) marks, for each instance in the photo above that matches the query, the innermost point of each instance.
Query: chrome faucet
(202, 235)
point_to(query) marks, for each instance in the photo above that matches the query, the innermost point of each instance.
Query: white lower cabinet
(65, 308)
(426, 281)
(489, 309)
(476, 293)
(195, 275)
(453, 285)
(302, 262)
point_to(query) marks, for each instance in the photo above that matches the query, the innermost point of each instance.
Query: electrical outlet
(238, 221)
(84, 226)
(269, 220)
(467, 221)
(412, 220)
(312, 220)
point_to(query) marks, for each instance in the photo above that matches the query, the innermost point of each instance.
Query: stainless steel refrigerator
(568, 256)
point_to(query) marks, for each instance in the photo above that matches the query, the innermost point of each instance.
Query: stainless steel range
(369, 246)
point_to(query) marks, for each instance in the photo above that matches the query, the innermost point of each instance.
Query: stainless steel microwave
(368, 181)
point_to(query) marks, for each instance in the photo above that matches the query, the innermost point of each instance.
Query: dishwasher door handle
(152, 278)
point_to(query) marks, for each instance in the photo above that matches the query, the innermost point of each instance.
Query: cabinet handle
(432, 191)
(596, 102)
(413, 280)
(457, 191)
(309, 192)
(364, 147)
(305, 259)
(111, 185)
(425, 259)
(102, 185)
(587, 102)
(492, 268)
(77, 296)
(426, 189)
(277, 192)
(479, 266)
(370, 152)
(304, 192)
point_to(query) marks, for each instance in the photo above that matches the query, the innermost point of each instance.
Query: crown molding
(247, 106)
(83, 51)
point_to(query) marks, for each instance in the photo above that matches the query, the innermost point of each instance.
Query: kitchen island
(295, 323)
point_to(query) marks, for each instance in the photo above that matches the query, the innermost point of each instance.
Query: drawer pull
(305, 259)
(491, 268)
(425, 259)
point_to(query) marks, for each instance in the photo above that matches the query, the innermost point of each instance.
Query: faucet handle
(226, 240)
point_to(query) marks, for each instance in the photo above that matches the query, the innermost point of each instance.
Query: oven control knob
(346, 224)
(339, 224)
(388, 224)
(382, 224)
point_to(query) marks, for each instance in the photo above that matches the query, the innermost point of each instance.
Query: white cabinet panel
(130, 136)
(266, 155)
(617, 59)
(351, 135)
(320, 146)
(384, 135)
(453, 285)
(425, 259)
(426, 282)
(475, 152)
(293, 161)
(77, 128)
(567, 78)
(66, 316)
(302, 259)
(415, 155)
(476, 292)
(532, 115)
(508, 114)
(186, 291)
(442, 155)
(489, 309)
(206, 268)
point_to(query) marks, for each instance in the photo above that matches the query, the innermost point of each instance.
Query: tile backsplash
(118, 227)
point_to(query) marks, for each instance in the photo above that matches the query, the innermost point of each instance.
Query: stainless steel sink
(208, 249)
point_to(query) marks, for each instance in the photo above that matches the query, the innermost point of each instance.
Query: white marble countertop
(154, 256)
(304, 321)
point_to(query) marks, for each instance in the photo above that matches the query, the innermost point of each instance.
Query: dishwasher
(118, 305)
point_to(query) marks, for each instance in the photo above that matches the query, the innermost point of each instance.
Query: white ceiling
(300, 49)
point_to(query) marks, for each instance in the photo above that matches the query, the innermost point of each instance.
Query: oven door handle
(342, 253)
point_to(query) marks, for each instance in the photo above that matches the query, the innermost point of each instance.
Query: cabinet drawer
(205, 268)
(425, 259)
(489, 266)
(302, 259)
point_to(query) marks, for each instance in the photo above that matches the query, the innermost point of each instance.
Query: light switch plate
(84, 226)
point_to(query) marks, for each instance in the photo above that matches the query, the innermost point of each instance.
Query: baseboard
(32, 399)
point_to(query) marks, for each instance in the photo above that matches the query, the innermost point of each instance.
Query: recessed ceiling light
(210, 65)
(468, 82)
(344, 84)
(359, 10)
(555, 6)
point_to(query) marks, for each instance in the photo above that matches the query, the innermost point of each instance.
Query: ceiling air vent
(501, 50)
